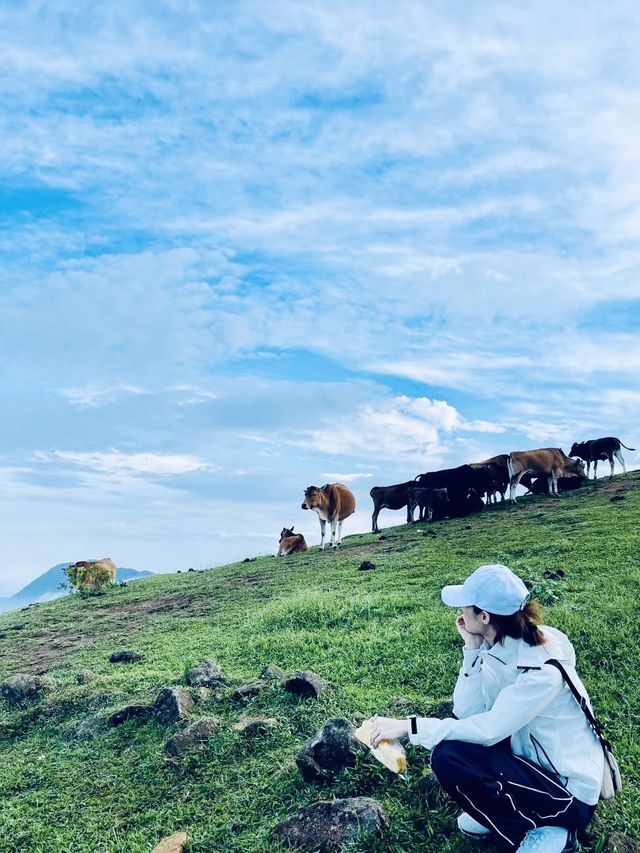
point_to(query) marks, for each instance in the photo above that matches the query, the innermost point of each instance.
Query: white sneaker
(547, 839)
(470, 826)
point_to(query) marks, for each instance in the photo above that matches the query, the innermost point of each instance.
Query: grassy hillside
(382, 638)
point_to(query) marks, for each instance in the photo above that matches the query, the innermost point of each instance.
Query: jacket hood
(556, 645)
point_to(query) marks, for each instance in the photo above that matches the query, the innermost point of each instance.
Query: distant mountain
(45, 587)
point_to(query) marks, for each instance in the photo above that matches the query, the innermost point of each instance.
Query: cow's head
(579, 468)
(312, 497)
(575, 449)
(285, 533)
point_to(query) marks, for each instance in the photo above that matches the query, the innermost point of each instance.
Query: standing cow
(547, 461)
(333, 503)
(599, 448)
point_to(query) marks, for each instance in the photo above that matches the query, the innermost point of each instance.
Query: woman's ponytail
(522, 625)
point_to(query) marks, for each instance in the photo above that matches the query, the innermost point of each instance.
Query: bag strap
(581, 700)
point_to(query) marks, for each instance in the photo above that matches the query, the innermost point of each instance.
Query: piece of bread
(388, 752)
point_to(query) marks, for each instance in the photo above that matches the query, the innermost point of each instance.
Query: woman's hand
(471, 641)
(386, 728)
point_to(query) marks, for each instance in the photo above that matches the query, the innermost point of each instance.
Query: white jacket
(507, 690)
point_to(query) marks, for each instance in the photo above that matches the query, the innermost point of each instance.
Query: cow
(549, 461)
(599, 449)
(290, 542)
(499, 474)
(390, 497)
(433, 503)
(457, 481)
(333, 502)
(566, 483)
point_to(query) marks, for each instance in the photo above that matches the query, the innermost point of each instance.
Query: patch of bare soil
(39, 653)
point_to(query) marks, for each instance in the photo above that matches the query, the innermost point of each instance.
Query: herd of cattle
(455, 492)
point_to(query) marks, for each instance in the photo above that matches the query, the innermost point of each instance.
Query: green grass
(378, 637)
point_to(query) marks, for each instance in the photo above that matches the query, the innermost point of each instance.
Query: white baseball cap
(492, 588)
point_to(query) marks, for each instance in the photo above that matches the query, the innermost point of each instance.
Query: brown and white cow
(290, 542)
(333, 503)
(548, 461)
(600, 448)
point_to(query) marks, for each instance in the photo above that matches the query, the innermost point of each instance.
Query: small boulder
(130, 712)
(124, 657)
(23, 687)
(366, 566)
(247, 691)
(331, 825)
(382, 538)
(554, 574)
(201, 694)
(92, 727)
(331, 749)
(208, 673)
(272, 672)
(619, 843)
(193, 737)
(84, 676)
(305, 683)
(173, 843)
(250, 725)
(171, 705)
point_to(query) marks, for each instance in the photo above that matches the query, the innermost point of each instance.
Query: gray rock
(305, 683)
(619, 843)
(331, 825)
(272, 672)
(251, 725)
(207, 673)
(130, 712)
(247, 691)
(201, 694)
(193, 737)
(331, 749)
(23, 687)
(171, 705)
(124, 657)
(84, 676)
(92, 727)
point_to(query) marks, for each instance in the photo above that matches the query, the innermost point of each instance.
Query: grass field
(382, 638)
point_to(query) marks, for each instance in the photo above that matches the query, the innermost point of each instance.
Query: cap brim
(455, 596)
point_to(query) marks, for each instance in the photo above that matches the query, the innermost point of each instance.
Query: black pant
(504, 792)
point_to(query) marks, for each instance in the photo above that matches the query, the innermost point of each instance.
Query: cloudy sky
(248, 247)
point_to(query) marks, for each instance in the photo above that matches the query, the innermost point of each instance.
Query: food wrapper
(388, 752)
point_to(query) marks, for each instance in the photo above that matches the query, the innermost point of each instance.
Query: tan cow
(548, 461)
(291, 543)
(333, 503)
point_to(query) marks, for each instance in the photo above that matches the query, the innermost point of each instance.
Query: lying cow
(600, 449)
(291, 543)
(390, 497)
(566, 483)
(547, 461)
(333, 503)
(433, 503)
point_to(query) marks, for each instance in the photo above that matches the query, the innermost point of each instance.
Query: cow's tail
(510, 466)
(624, 445)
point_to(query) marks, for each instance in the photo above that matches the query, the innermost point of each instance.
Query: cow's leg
(429, 510)
(323, 528)
(339, 542)
(611, 462)
(411, 509)
(374, 520)
(595, 469)
(334, 524)
(619, 457)
(588, 467)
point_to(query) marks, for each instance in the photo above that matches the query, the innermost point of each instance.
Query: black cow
(457, 481)
(390, 497)
(599, 449)
(433, 503)
(540, 486)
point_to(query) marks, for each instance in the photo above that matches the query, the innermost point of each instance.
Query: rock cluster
(331, 825)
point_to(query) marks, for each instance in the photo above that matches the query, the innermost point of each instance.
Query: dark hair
(522, 625)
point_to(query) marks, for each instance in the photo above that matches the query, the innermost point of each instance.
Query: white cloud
(116, 462)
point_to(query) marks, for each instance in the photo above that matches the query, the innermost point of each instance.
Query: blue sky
(250, 247)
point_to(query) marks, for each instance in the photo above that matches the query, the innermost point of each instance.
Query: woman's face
(473, 621)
